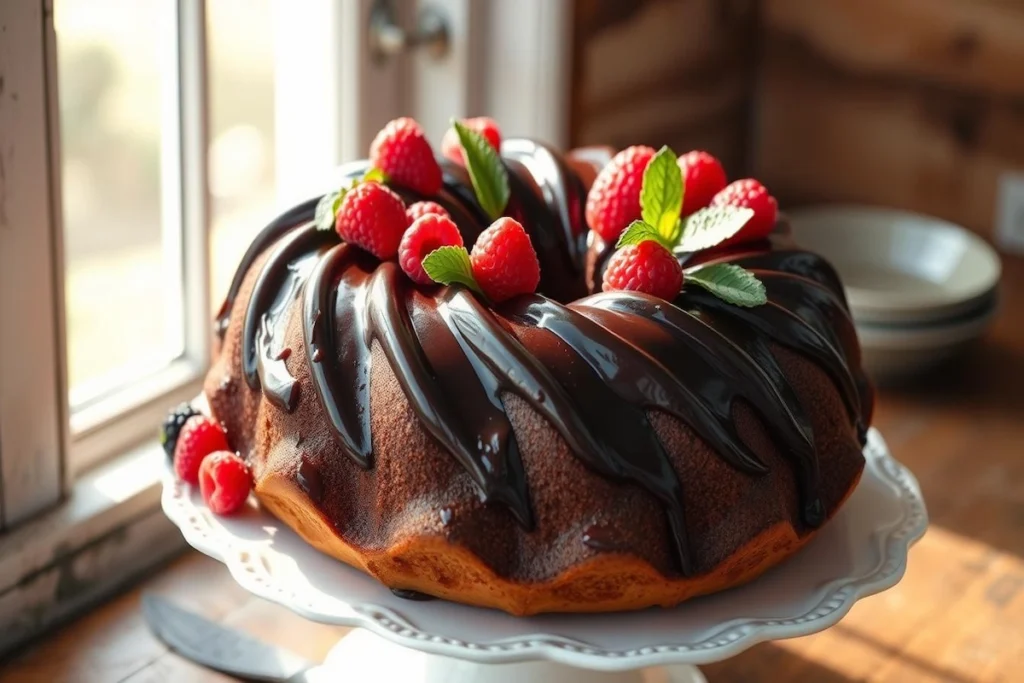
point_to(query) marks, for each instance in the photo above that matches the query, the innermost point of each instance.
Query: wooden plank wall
(917, 104)
(676, 72)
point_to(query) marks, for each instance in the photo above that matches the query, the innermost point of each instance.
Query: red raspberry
(485, 125)
(372, 217)
(225, 482)
(504, 262)
(401, 150)
(424, 236)
(645, 267)
(751, 194)
(614, 199)
(199, 437)
(422, 209)
(703, 178)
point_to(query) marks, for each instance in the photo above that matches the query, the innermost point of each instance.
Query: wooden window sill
(111, 644)
(108, 531)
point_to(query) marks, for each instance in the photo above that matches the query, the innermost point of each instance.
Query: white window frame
(31, 331)
(93, 524)
(129, 415)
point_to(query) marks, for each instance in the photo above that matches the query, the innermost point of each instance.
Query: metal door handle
(388, 39)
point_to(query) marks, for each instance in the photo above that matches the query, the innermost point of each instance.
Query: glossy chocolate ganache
(592, 364)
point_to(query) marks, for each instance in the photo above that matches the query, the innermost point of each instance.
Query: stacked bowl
(920, 289)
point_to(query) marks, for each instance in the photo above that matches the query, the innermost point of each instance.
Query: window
(124, 100)
(132, 117)
(119, 180)
(142, 145)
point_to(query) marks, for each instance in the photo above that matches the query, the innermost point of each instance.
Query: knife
(223, 649)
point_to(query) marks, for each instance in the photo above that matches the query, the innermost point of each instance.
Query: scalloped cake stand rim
(891, 541)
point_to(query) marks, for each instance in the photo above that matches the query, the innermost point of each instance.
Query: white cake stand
(862, 551)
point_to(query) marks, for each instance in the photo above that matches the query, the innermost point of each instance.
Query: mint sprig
(327, 210)
(374, 175)
(730, 283)
(447, 265)
(486, 172)
(638, 232)
(661, 201)
(327, 207)
(711, 226)
(661, 196)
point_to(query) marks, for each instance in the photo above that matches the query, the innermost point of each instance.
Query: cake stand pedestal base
(365, 656)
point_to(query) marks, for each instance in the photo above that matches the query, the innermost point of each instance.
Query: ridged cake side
(416, 521)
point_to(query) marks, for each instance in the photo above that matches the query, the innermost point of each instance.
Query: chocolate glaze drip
(278, 384)
(777, 323)
(448, 418)
(407, 594)
(340, 360)
(277, 228)
(308, 477)
(592, 368)
(616, 438)
(634, 375)
(795, 262)
(720, 372)
(548, 200)
(259, 366)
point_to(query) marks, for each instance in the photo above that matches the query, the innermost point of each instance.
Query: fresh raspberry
(225, 482)
(422, 209)
(703, 178)
(172, 425)
(504, 262)
(199, 437)
(401, 150)
(645, 267)
(614, 199)
(424, 236)
(451, 149)
(371, 216)
(751, 194)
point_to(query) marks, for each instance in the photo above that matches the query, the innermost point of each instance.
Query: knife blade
(222, 649)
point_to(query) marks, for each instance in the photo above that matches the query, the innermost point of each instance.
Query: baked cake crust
(562, 535)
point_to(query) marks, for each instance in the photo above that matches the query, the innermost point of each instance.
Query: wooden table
(957, 616)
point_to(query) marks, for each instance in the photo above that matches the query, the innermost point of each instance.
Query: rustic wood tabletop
(957, 616)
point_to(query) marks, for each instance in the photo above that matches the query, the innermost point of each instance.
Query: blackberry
(172, 425)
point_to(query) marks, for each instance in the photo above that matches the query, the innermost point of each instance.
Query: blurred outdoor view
(116, 70)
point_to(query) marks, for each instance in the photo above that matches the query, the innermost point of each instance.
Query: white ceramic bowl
(892, 353)
(899, 267)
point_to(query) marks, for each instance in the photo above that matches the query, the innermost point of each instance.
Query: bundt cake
(570, 450)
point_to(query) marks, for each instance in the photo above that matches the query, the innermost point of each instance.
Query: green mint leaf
(638, 232)
(487, 173)
(327, 209)
(730, 283)
(674, 235)
(712, 225)
(446, 265)
(661, 197)
(374, 175)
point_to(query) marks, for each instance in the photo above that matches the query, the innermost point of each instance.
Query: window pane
(117, 75)
(240, 56)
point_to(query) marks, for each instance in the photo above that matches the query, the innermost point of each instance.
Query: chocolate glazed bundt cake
(562, 451)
